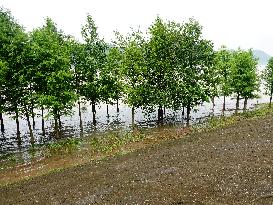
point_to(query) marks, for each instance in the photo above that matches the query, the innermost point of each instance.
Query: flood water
(116, 122)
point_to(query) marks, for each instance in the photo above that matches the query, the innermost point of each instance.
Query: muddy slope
(227, 166)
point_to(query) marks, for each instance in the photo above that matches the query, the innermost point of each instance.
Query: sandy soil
(233, 165)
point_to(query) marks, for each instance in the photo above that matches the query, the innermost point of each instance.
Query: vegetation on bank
(260, 112)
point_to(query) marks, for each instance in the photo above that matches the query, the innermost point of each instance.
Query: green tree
(95, 61)
(213, 83)
(111, 77)
(244, 79)
(3, 66)
(134, 70)
(223, 64)
(268, 79)
(161, 63)
(197, 60)
(54, 76)
(78, 61)
(13, 84)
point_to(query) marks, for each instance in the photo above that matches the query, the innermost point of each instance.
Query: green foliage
(219, 122)
(8, 160)
(198, 56)
(109, 143)
(95, 60)
(78, 63)
(160, 62)
(12, 56)
(172, 66)
(133, 68)
(244, 79)
(223, 64)
(53, 77)
(268, 77)
(111, 76)
(63, 146)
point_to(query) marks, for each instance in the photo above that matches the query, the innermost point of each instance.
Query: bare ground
(233, 165)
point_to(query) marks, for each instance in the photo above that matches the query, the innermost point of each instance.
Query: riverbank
(228, 161)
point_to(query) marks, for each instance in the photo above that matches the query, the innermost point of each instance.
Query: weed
(8, 160)
(109, 143)
(223, 121)
(63, 146)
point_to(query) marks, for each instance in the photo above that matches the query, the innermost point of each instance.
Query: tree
(111, 77)
(53, 77)
(244, 79)
(268, 79)
(134, 70)
(161, 62)
(13, 84)
(223, 64)
(3, 66)
(78, 63)
(197, 59)
(95, 50)
(213, 83)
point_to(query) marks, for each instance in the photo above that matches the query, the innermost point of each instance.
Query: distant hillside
(263, 56)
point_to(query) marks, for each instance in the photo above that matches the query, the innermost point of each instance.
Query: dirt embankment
(233, 165)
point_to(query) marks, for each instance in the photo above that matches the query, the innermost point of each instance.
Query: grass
(222, 121)
(111, 142)
(65, 146)
(8, 160)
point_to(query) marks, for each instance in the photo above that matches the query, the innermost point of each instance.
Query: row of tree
(171, 66)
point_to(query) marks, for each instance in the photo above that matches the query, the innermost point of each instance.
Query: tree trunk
(213, 102)
(2, 122)
(18, 127)
(183, 111)
(94, 112)
(33, 116)
(224, 104)
(107, 111)
(160, 115)
(213, 105)
(117, 106)
(245, 104)
(33, 121)
(188, 115)
(164, 112)
(29, 128)
(59, 121)
(237, 104)
(32, 107)
(270, 100)
(43, 122)
(133, 117)
(80, 115)
(57, 131)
